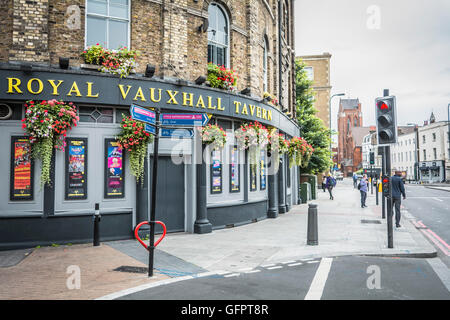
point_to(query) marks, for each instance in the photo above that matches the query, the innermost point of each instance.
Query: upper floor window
(434, 137)
(218, 39)
(423, 139)
(309, 73)
(265, 64)
(108, 23)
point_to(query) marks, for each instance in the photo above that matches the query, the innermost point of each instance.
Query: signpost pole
(153, 198)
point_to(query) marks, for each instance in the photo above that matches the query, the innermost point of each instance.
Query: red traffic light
(383, 106)
(385, 180)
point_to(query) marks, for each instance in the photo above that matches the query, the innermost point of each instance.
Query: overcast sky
(400, 45)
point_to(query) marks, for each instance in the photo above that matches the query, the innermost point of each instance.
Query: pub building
(40, 59)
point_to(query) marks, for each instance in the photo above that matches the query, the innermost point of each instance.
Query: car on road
(339, 176)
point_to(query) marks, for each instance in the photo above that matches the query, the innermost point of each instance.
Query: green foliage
(221, 77)
(312, 128)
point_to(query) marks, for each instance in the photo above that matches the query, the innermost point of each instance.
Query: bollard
(96, 219)
(312, 225)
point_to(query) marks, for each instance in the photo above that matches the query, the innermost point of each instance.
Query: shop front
(432, 171)
(92, 169)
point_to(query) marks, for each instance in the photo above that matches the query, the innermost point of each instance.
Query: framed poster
(22, 169)
(262, 184)
(76, 169)
(114, 170)
(216, 172)
(234, 170)
(253, 177)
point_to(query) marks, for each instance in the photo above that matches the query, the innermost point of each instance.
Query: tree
(312, 128)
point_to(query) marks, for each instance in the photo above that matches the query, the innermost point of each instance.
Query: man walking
(398, 190)
(331, 182)
(355, 180)
(363, 190)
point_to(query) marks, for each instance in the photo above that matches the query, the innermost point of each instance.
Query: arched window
(348, 125)
(265, 64)
(356, 122)
(218, 39)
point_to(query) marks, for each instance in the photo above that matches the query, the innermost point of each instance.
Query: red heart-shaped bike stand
(146, 222)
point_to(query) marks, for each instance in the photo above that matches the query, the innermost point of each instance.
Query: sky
(400, 45)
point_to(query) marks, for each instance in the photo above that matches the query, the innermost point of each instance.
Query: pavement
(44, 273)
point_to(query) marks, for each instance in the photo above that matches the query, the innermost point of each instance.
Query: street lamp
(329, 109)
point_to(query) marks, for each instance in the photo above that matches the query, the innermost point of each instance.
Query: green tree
(312, 127)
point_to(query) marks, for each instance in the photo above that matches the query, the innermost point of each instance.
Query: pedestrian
(398, 190)
(330, 183)
(324, 183)
(362, 186)
(355, 180)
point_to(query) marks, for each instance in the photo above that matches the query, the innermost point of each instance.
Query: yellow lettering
(139, 94)
(264, 113)
(124, 94)
(152, 95)
(186, 99)
(219, 104)
(14, 86)
(74, 89)
(252, 109)
(269, 115)
(55, 86)
(244, 109)
(258, 112)
(172, 95)
(210, 103)
(30, 88)
(200, 101)
(237, 104)
(89, 91)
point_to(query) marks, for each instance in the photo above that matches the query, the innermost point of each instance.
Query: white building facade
(404, 155)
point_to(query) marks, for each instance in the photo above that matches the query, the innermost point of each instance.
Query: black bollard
(312, 225)
(97, 225)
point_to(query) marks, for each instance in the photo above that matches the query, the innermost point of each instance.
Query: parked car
(339, 176)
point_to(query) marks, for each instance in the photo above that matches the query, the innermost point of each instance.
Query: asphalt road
(431, 208)
(346, 278)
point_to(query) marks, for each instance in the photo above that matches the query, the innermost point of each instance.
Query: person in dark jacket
(398, 190)
(330, 183)
(363, 190)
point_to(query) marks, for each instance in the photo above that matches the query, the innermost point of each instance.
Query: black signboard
(22, 169)
(234, 170)
(216, 172)
(76, 169)
(114, 170)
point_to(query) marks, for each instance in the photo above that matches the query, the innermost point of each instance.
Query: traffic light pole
(383, 172)
(389, 198)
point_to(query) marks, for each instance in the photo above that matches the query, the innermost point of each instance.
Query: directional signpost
(153, 122)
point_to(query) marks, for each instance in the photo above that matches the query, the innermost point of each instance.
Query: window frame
(228, 44)
(107, 17)
(265, 65)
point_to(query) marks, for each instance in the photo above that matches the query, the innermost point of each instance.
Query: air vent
(5, 111)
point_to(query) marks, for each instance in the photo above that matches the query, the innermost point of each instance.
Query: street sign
(142, 114)
(150, 129)
(184, 119)
(178, 133)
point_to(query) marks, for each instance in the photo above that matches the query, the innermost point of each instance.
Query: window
(108, 23)
(96, 115)
(309, 73)
(114, 170)
(76, 169)
(423, 138)
(265, 63)
(435, 153)
(434, 137)
(217, 35)
(216, 172)
(234, 170)
(424, 155)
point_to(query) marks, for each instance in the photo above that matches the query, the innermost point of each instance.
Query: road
(431, 208)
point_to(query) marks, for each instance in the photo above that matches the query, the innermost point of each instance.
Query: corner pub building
(178, 38)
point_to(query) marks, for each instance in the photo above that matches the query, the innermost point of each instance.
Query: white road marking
(295, 264)
(245, 269)
(287, 262)
(253, 271)
(312, 261)
(441, 270)
(267, 265)
(437, 199)
(276, 267)
(318, 283)
(231, 275)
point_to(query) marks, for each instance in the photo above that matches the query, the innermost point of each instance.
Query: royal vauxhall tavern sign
(96, 88)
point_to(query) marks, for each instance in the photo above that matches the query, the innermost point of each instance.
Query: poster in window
(262, 185)
(216, 172)
(114, 175)
(253, 177)
(234, 170)
(21, 169)
(76, 169)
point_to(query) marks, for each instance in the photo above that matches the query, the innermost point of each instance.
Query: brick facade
(167, 35)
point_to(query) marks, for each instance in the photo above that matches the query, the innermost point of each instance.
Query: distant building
(318, 70)
(404, 153)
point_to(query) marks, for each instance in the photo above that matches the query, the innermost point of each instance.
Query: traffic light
(386, 183)
(386, 116)
(372, 158)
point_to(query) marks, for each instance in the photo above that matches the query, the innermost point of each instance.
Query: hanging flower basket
(135, 140)
(121, 62)
(271, 99)
(277, 143)
(254, 137)
(299, 152)
(47, 123)
(213, 135)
